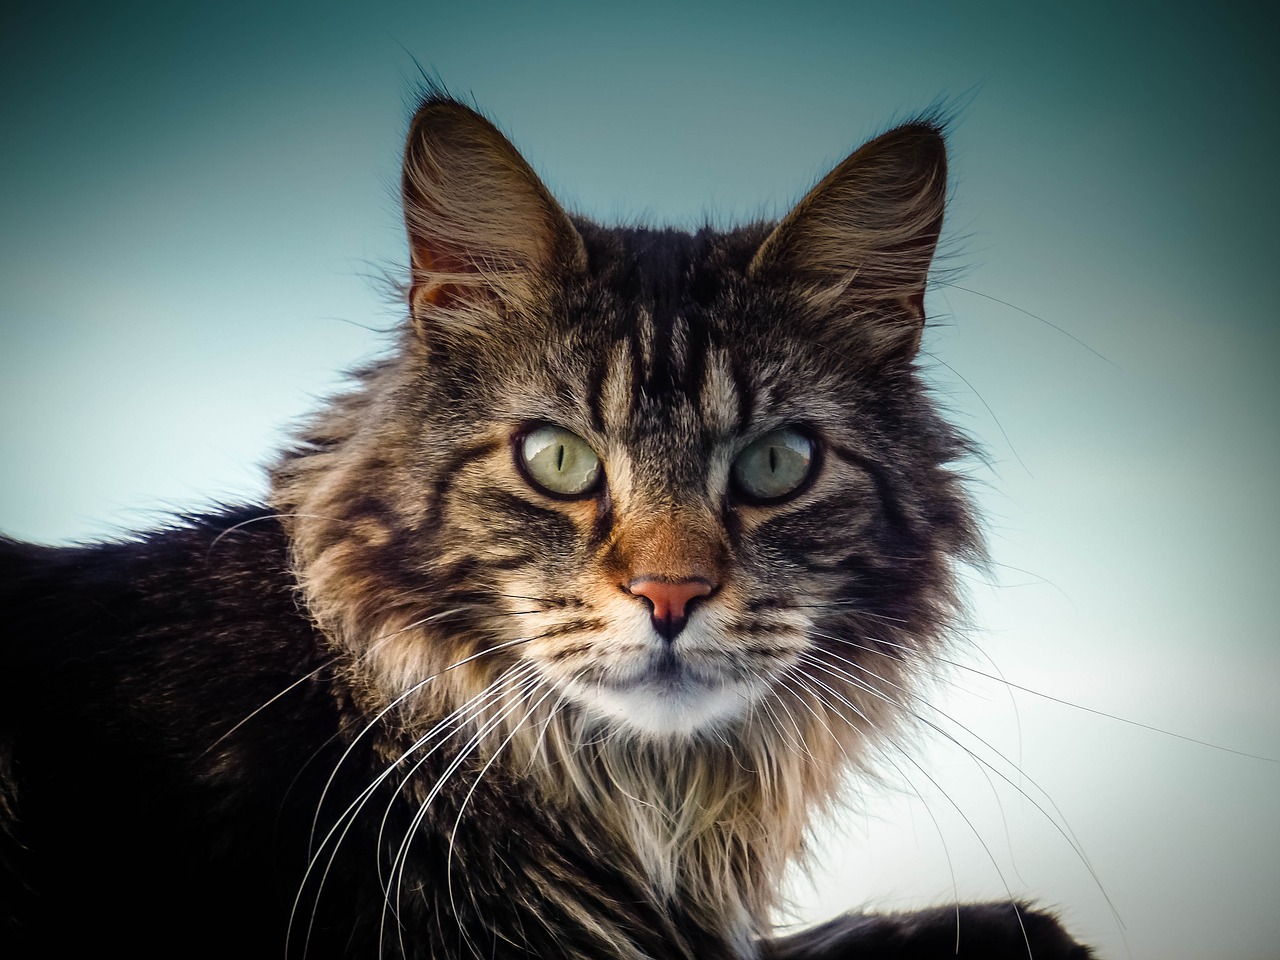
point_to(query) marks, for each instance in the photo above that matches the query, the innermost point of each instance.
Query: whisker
(979, 766)
(347, 819)
(767, 704)
(1057, 819)
(804, 681)
(399, 861)
(977, 834)
(236, 527)
(1001, 679)
(1027, 313)
(377, 718)
(537, 683)
(375, 644)
(297, 683)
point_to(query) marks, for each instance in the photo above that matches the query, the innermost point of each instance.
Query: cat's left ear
(860, 243)
(481, 224)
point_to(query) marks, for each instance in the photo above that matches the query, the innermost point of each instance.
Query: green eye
(558, 462)
(776, 466)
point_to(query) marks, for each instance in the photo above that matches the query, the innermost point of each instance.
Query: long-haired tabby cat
(559, 628)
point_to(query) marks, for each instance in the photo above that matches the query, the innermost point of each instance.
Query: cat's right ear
(480, 222)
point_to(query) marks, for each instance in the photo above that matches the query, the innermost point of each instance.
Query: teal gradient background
(197, 203)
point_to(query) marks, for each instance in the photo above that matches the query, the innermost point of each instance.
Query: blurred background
(197, 202)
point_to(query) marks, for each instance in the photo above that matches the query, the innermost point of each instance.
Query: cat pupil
(559, 461)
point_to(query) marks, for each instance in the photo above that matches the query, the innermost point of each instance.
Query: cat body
(561, 626)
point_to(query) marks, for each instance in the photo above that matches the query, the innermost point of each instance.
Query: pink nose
(670, 600)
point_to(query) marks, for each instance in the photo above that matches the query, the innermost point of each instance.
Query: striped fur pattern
(459, 596)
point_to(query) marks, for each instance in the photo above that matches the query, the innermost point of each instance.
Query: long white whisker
(1057, 818)
(539, 745)
(236, 527)
(915, 763)
(458, 721)
(399, 860)
(1076, 706)
(347, 819)
(303, 679)
(793, 679)
(526, 694)
(297, 683)
(453, 724)
(373, 723)
(804, 680)
(768, 704)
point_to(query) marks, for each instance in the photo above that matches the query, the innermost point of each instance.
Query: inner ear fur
(860, 243)
(479, 220)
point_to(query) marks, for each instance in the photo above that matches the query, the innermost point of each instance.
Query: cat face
(672, 484)
(639, 511)
(670, 495)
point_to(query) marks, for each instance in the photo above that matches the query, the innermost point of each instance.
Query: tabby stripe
(761, 650)
(449, 473)
(661, 380)
(695, 364)
(603, 525)
(637, 363)
(732, 524)
(572, 626)
(527, 511)
(512, 561)
(596, 374)
(884, 488)
(563, 653)
(448, 579)
(746, 393)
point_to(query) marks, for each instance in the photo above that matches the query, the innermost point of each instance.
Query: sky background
(197, 202)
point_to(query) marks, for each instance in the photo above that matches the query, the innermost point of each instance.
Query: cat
(560, 627)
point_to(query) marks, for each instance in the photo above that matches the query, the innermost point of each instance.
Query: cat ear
(861, 241)
(480, 222)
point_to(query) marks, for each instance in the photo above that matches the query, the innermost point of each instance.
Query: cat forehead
(665, 338)
(667, 269)
(663, 382)
(669, 330)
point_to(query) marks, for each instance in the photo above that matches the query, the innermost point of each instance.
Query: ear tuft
(862, 240)
(479, 220)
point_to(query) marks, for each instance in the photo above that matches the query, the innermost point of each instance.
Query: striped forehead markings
(720, 401)
(619, 387)
(667, 356)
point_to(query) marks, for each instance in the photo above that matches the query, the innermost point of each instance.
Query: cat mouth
(666, 695)
(665, 672)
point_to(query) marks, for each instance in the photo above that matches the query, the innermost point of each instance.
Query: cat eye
(775, 467)
(558, 462)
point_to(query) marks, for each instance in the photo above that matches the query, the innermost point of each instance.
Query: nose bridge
(672, 545)
(670, 560)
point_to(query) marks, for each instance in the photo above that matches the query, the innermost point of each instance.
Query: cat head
(668, 485)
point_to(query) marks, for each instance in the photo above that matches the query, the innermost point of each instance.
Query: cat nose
(669, 600)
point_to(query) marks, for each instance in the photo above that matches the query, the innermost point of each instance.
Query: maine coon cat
(560, 627)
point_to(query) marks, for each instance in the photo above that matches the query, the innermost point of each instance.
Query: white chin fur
(658, 710)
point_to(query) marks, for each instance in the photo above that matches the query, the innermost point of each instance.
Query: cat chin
(667, 710)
